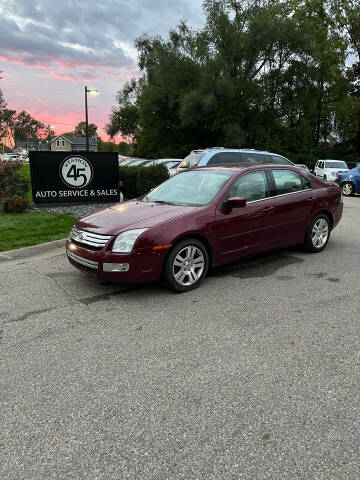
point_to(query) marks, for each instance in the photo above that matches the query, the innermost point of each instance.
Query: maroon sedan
(203, 218)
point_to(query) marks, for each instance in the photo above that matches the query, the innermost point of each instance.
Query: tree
(122, 148)
(80, 130)
(19, 127)
(260, 74)
(2, 109)
(347, 14)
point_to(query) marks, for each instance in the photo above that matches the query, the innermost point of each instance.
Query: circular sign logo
(76, 171)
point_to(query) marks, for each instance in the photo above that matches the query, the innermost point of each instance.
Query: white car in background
(10, 156)
(327, 169)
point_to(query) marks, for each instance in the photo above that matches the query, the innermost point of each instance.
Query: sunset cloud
(50, 49)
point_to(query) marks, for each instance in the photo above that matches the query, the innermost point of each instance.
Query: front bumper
(144, 265)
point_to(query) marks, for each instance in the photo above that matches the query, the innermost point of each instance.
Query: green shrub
(12, 183)
(128, 175)
(140, 180)
(15, 204)
(150, 177)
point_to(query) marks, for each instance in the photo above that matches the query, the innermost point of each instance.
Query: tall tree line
(267, 74)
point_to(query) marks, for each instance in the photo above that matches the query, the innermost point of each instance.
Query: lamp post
(92, 92)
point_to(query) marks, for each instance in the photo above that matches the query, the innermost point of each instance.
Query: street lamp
(92, 92)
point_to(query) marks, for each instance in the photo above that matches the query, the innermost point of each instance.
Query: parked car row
(170, 163)
(18, 157)
(328, 170)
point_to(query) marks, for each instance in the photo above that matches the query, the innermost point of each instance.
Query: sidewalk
(47, 249)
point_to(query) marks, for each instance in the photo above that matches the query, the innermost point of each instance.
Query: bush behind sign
(140, 180)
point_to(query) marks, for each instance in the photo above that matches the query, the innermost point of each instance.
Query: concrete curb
(33, 251)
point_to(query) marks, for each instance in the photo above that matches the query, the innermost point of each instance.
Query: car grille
(83, 261)
(87, 238)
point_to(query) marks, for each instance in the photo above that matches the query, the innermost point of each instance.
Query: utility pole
(86, 120)
(92, 92)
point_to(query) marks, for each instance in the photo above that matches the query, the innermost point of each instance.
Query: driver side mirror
(236, 202)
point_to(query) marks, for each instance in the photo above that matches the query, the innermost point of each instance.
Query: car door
(244, 231)
(316, 168)
(293, 204)
(319, 171)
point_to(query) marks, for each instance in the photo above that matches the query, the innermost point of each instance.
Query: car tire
(348, 189)
(317, 234)
(186, 265)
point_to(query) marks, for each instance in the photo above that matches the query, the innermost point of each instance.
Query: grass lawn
(24, 229)
(25, 171)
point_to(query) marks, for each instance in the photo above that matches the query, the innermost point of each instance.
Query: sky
(51, 49)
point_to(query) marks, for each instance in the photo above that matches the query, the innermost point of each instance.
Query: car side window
(252, 186)
(279, 160)
(253, 157)
(225, 157)
(287, 181)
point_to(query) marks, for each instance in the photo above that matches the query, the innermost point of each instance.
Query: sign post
(64, 177)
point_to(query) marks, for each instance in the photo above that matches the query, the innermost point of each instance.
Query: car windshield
(172, 164)
(190, 188)
(192, 160)
(139, 162)
(338, 164)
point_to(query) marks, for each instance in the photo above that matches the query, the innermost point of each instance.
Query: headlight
(124, 242)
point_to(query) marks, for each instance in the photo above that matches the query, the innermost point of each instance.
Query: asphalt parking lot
(253, 376)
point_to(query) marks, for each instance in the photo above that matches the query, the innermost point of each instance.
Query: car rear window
(338, 164)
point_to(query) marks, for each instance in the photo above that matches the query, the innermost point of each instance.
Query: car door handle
(311, 199)
(267, 210)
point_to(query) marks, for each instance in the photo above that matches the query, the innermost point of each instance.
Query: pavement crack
(64, 291)
(103, 296)
(27, 315)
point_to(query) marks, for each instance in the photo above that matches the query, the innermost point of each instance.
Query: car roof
(223, 149)
(242, 166)
(331, 160)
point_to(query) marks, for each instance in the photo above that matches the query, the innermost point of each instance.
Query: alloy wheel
(188, 265)
(320, 233)
(347, 189)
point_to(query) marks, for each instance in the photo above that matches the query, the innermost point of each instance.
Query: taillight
(337, 175)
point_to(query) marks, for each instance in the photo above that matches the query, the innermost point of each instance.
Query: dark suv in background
(221, 156)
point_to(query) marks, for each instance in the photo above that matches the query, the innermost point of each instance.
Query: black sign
(64, 177)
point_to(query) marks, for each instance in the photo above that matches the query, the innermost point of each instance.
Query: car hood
(130, 215)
